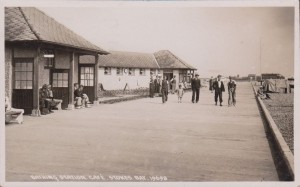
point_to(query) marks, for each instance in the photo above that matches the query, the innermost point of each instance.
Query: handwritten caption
(99, 177)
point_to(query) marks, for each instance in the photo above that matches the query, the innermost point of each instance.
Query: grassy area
(281, 107)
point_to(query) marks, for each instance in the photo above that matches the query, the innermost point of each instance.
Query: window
(23, 73)
(48, 55)
(183, 76)
(152, 71)
(60, 80)
(119, 71)
(131, 71)
(107, 71)
(87, 76)
(142, 71)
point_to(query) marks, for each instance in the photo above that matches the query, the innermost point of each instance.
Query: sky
(215, 40)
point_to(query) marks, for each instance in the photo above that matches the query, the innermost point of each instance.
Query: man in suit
(218, 86)
(196, 84)
(164, 89)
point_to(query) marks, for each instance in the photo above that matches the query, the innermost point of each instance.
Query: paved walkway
(182, 141)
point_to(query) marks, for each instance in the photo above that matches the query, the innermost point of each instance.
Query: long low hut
(132, 70)
(39, 50)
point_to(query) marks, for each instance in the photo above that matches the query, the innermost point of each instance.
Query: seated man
(261, 94)
(77, 96)
(84, 97)
(54, 103)
(45, 105)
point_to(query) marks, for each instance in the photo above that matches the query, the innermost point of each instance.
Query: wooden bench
(14, 115)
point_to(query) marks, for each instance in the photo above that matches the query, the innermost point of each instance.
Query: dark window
(60, 80)
(131, 71)
(23, 73)
(142, 71)
(107, 71)
(119, 71)
(49, 58)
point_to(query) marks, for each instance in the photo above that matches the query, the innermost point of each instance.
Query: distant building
(252, 77)
(272, 76)
(132, 70)
(171, 65)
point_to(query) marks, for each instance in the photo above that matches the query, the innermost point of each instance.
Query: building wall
(62, 59)
(8, 72)
(117, 82)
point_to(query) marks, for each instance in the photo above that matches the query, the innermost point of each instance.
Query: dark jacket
(196, 83)
(217, 88)
(77, 93)
(164, 85)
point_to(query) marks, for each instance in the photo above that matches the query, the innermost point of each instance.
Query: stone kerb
(285, 151)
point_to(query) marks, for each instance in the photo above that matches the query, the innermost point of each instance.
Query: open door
(86, 78)
(60, 81)
(22, 93)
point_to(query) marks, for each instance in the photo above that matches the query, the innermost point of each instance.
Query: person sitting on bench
(84, 97)
(45, 105)
(77, 96)
(53, 102)
(12, 114)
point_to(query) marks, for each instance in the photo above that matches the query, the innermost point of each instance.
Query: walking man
(231, 92)
(196, 84)
(218, 86)
(164, 90)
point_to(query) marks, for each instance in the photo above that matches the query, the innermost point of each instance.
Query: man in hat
(218, 86)
(196, 84)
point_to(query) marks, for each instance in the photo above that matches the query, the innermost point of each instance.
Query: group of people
(216, 86)
(164, 86)
(47, 101)
(81, 99)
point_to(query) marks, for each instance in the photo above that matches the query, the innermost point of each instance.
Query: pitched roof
(123, 59)
(166, 59)
(31, 24)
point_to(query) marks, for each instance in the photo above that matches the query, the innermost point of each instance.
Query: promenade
(181, 141)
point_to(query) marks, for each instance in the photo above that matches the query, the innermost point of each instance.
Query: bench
(14, 115)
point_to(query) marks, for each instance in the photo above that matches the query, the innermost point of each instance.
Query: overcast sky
(215, 40)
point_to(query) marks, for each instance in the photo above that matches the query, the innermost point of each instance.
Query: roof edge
(29, 25)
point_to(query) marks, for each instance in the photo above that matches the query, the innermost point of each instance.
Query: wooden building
(39, 50)
(132, 70)
(171, 65)
(124, 70)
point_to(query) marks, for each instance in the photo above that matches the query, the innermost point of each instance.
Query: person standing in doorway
(231, 92)
(218, 86)
(196, 85)
(173, 81)
(164, 90)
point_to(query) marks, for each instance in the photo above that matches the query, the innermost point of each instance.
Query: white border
(95, 3)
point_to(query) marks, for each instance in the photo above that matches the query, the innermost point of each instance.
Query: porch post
(96, 79)
(71, 82)
(36, 105)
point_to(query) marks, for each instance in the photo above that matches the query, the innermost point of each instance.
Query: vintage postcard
(135, 93)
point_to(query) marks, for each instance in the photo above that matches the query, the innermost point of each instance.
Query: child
(180, 93)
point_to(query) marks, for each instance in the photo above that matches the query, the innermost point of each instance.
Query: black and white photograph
(157, 92)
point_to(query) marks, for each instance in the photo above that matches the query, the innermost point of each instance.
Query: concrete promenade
(182, 141)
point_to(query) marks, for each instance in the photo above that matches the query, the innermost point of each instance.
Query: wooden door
(22, 93)
(86, 78)
(60, 86)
